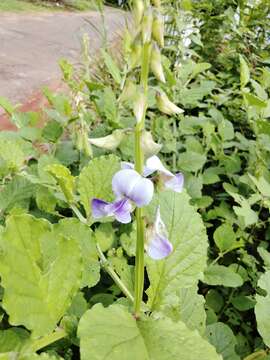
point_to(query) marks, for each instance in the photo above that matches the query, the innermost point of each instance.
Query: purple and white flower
(153, 164)
(129, 188)
(158, 245)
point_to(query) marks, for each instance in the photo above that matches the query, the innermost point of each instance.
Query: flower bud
(156, 64)
(139, 106)
(147, 22)
(158, 28)
(166, 106)
(109, 142)
(138, 10)
(148, 144)
(135, 56)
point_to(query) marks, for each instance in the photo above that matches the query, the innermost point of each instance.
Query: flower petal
(127, 165)
(121, 209)
(130, 184)
(159, 247)
(142, 192)
(175, 183)
(154, 164)
(124, 181)
(99, 208)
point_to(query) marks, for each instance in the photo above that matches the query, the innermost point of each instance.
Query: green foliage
(147, 339)
(39, 286)
(186, 264)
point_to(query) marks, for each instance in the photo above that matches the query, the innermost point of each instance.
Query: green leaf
(95, 180)
(84, 237)
(253, 100)
(222, 337)
(12, 157)
(112, 333)
(262, 308)
(226, 130)
(244, 71)
(52, 131)
(225, 238)
(16, 193)
(40, 284)
(64, 178)
(185, 266)
(191, 161)
(6, 105)
(186, 305)
(112, 67)
(222, 275)
(265, 255)
(243, 303)
(12, 339)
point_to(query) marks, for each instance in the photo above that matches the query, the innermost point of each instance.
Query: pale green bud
(135, 56)
(158, 28)
(148, 144)
(156, 64)
(166, 106)
(138, 10)
(147, 22)
(109, 142)
(139, 106)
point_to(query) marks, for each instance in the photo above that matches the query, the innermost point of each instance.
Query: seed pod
(147, 22)
(138, 10)
(139, 106)
(158, 28)
(166, 106)
(148, 144)
(156, 64)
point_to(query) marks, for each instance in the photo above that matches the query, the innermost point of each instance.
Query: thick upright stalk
(139, 162)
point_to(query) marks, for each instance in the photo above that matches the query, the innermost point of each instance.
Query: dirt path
(32, 44)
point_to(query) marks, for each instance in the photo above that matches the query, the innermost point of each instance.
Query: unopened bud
(138, 10)
(166, 106)
(139, 106)
(149, 147)
(158, 28)
(135, 56)
(109, 142)
(147, 22)
(156, 64)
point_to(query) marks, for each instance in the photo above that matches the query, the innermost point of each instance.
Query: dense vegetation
(216, 281)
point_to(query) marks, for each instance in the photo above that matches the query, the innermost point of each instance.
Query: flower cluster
(134, 190)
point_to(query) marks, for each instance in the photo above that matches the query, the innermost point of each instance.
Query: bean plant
(134, 210)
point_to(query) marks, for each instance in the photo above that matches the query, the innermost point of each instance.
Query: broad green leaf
(12, 157)
(104, 236)
(12, 339)
(244, 71)
(17, 192)
(191, 161)
(186, 306)
(45, 199)
(113, 333)
(185, 266)
(243, 303)
(40, 284)
(64, 178)
(222, 275)
(214, 300)
(225, 238)
(42, 356)
(262, 308)
(222, 337)
(226, 130)
(95, 180)
(253, 100)
(84, 236)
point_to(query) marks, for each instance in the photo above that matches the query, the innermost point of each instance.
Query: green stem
(107, 266)
(47, 340)
(104, 262)
(139, 162)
